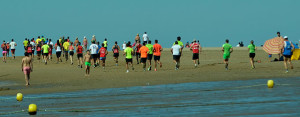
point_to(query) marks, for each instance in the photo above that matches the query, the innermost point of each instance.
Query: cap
(285, 37)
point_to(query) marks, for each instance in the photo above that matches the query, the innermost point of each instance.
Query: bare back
(87, 58)
(26, 62)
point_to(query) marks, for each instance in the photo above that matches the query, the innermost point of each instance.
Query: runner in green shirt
(150, 54)
(128, 52)
(45, 49)
(251, 49)
(227, 49)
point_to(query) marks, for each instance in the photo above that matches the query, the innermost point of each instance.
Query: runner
(287, 51)
(94, 38)
(128, 52)
(103, 52)
(251, 49)
(195, 48)
(137, 51)
(93, 49)
(79, 50)
(29, 50)
(124, 45)
(150, 54)
(116, 50)
(87, 59)
(176, 50)
(13, 48)
(227, 49)
(43, 39)
(76, 42)
(58, 50)
(157, 52)
(137, 38)
(25, 43)
(144, 52)
(33, 47)
(145, 37)
(85, 43)
(8, 48)
(98, 54)
(105, 43)
(180, 44)
(45, 49)
(38, 40)
(4, 51)
(50, 43)
(38, 50)
(66, 45)
(71, 48)
(27, 67)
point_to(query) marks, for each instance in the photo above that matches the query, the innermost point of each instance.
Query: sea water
(222, 98)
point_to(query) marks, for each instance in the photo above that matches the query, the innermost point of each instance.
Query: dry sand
(64, 77)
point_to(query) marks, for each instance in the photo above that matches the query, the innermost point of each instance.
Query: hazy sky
(210, 21)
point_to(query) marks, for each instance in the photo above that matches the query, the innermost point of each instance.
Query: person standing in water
(27, 67)
(87, 59)
(150, 54)
(157, 52)
(116, 50)
(128, 52)
(251, 49)
(287, 51)
(13, 45)
(79, 50)
(227, 49)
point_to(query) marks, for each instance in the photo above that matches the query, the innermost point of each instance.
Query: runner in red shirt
(116, 50)
(137, 51)
(195, 48)
(103, 52)
(157, 52)
(79, 50)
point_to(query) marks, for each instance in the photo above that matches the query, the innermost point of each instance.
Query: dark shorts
(176, 57)
(94, 56)
(66, 52)
(32, 51)
(156, 58)
(149, 56)
(195, 56)
(29, 53)
(143, 60)
(116, 55)
(79, 55)
(58, 54)
(38, 52)
(103, 58)
(137, 54)
(145, 42)
(98, 56)
(287, 56)
(45, 54)
(13, 50)
(128, 60)
(251, 55)
(71, 53)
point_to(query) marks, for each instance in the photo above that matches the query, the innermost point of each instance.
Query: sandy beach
(64, 77)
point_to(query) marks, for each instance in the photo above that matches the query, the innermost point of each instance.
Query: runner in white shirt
(145, 37)
(33, 46)
(13, 47)
(124, 45)
(93, 49)
(176, 50)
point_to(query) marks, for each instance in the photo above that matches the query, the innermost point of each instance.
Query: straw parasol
(274, 46)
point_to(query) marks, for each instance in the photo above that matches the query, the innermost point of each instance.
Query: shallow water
(223, 98)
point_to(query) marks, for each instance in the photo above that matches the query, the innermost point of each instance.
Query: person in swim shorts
(27, 67)
(87, 59)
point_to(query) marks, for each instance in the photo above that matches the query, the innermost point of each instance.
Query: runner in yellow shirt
(66, 46)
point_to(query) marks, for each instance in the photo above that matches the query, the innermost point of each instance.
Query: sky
(210, 21)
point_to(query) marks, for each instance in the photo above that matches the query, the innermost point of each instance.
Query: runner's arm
(31, 65)
(22, 64)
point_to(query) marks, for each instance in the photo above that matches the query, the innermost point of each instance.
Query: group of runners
(96, 54)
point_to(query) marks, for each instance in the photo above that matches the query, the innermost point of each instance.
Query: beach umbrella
(274, 46)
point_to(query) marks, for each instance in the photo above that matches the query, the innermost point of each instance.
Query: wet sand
(64, 77)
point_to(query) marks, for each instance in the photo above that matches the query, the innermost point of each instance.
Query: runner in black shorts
(156, 58)
(251, 55)
(143, 60)
(195, 56)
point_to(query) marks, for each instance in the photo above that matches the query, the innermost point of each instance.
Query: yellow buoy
(270, 83)
(19, 97)
(32, 109)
